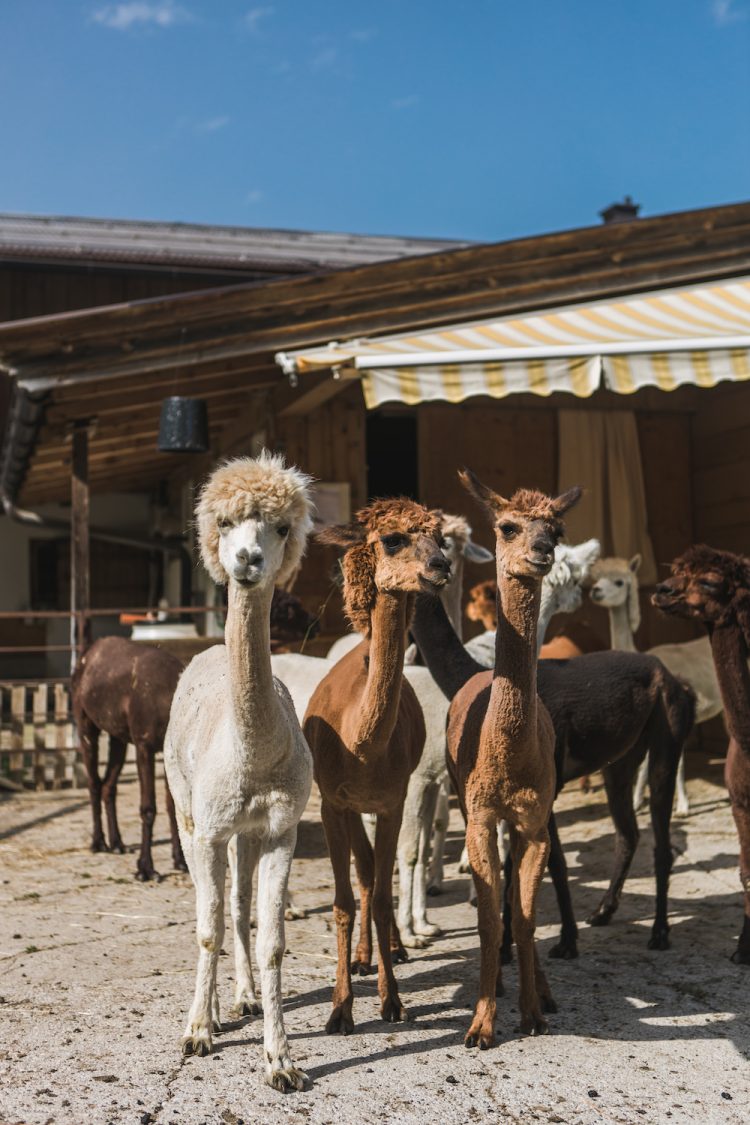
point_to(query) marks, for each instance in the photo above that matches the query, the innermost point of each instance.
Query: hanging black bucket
(183, 425)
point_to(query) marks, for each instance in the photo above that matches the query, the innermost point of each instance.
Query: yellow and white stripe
(698, 335)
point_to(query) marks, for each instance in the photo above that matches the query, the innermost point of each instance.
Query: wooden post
(79, 541)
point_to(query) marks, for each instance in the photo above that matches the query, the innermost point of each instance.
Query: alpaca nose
(664, 589)
(439, 562)
(249, 558)
(543, 545)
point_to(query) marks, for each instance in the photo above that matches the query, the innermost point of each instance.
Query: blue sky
(487, 119)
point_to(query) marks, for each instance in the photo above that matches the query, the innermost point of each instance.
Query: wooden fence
(38, 745)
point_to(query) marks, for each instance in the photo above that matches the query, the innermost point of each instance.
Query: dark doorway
(392, 455)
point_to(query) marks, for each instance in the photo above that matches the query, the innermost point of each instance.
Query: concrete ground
(96, 976)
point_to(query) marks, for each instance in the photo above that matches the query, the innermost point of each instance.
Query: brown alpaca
(482, 604)
(125, 689)
(501, 752)
(714, 587)
(365, 728)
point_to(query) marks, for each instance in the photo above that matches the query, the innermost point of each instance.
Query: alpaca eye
(392, 543)
(508, 530)
(619, 582)
(283, 531)
(223, 524)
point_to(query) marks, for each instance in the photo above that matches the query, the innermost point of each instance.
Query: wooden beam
(79, 541)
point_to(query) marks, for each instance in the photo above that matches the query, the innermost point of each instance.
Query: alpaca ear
(341, 535)
(562, 503)
(489, 500)
(474, 553)
(635, 564)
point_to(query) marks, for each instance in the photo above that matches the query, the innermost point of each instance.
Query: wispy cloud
(363, 34)
(212, 124)
(405, 103)
(324, 58)
(725, 12)
(123, 17)
(253, 19)
(254, 196)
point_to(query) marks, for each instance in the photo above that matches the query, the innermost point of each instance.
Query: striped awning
(698, 335)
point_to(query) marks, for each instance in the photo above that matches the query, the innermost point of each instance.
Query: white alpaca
(238, 765)
(615, 587)
(562, 592)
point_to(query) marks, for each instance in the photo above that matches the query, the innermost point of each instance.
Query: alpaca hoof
(411, 941)
(481, 1039)
(362, 968)
(198, 1044)
(682, 809)
(659, 939)
(393, 1011)
(180, 865)
(99, 844)
(534, 1025)
(245, 1007)
(117, 846)
(287, 1078)
(294, 914)
(548, 1004)
(434, 889)
(340, 1022)
(147, 874)
(600, 917)
(740, 957)
(427, 930)
(464, 868)
(565, 950)
(399, 956)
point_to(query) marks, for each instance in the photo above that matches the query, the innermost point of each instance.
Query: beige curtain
(599, 449)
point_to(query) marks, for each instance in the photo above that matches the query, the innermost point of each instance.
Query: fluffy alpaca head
(614, 582)
(527, 526)
(457, 541)
(564, 583)
(712, 586)
(262, 491)
(392, 546)
(482, 604)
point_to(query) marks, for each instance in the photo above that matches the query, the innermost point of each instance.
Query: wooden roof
(116, 364)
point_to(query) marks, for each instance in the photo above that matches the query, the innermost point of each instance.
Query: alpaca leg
(422, 925)
(178, 856)
(567, 947)
(273, 877)
(737, 779)
(506, 944)
(243, 854)
(481, 839)
(386, 840)
(146, 776)
(208, 868)
(109, 792)
(661, 782)
(530, 862)
(639, 794)
(408, 849)
(618, 782)
(88, 736)
(336, 827)
(365, 865)
(440, 831)
(683, 801)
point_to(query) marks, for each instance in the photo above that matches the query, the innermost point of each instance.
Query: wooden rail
(38, 745)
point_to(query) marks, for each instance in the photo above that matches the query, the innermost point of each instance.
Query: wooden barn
(615, 355)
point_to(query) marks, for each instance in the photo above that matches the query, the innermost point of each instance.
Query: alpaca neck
(620, 633)
(248, 640)
(513, 698)
(546, 613)
(378, 708)
(450, 596)
(449, 663)
(730, 660)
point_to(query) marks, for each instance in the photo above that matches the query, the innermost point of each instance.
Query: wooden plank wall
(38, 745)
(329, 443)
(721, 473)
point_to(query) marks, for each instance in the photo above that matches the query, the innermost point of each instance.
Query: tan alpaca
(501, 752)
(365, 728)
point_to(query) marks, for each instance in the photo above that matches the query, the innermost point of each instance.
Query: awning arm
(561, 351)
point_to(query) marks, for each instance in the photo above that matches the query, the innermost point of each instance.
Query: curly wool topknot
(248, 485)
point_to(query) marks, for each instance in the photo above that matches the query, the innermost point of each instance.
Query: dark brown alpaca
(608, 709)
(290, 621)
(714, 587)
(125, 689)
(365, 728)
(501, 752)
